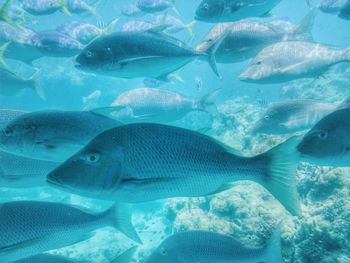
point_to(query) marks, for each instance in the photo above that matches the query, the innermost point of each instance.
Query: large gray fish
(242, 40)
(52, 135)
(56, 44)
(44, 7)
(288, 61)
(13, 85)
(156, 105)
(214, 11)
(328, 143)
(29, 228)
(145, 162)
(292, 115)
(209, 247)
(125, 257)
(85, 32)
(138, 54)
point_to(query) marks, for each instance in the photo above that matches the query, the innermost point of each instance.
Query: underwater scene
(174, 131)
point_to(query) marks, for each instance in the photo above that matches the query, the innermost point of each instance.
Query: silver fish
(29, 228)
(214, 11)
(156, 105)
(292, 115)
(328, 143)
(154, 6)
(146, 162)
(52, 135)
(208, 247)
(44, 7)
(288, 61)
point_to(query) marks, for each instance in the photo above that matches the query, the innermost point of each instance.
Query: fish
(138, 54)
(81, 7)
(52, 135)
(157, 105)
(210, 247)
(85, 32)
(56, 44)
(14, 85)
(131, 10)
(244, 39)
(125, 257)
(144, 162)
(5, 14)
(287, 61)
(155, 6)
(345, 11)
(44, 7)
(331, 6)
(218, 11)
(327, 143)
(136, 25)
(7, 115)
(174, 25)
(292, 116)
(29, 227)
(9, 33)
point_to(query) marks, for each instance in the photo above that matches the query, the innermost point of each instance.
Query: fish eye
(163, 251)
(93, 157)
(8, 132)
(267, 117)
(89, 54)
(323, 135)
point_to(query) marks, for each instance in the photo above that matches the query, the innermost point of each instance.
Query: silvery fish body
(175, 25)
(83, 32)
(53, 43)
(136, 25)
(214, 11)
(145, 162)
(136, 54)
(79, 7)
(208, 247)
(29, 228)
(292, 115)
(328, 143)
(18, 35)
(41, 7)
(131, 10)
(52, 135)
(154, 6)
(244, 39)
(288, 61)
(156, 105)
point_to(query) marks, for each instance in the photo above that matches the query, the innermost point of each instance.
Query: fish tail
(121, 216)
(108, 29)
(304, 30)
(126, 256)
(274, 248)
(36, 86)
(189, 28)
(207, 103)
(279, 178)
(63, 6)
(4, 14)
(174, 8)
(2, 52)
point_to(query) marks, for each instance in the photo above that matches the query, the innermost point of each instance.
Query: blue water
(246, 211)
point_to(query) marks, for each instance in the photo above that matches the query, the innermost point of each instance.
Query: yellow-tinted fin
(4, 14)
(2, 52)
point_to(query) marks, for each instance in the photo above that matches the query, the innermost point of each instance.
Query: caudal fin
(189, 28)
(109, 28)
(279, 178)
(126, 256)
(2, 52)
(304, 30)
(121, 219)
(207, 103)
(37, 86)
(64, 8)
(274, 249)
(4, 14)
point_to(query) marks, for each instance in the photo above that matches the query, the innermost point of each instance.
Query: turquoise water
(246, 211)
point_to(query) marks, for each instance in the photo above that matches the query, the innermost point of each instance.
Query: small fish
(29, 228)
(288, 61)
(243, 40)
(174, 25)
(81, 7)
(14, 85)
(146, 162)
(44, 7)
(157, 105)
(131, 10)
(85, 32)
(155, 6)
(138, 54)
(136, 25)
(327, 143)
(125, 257)
(56, 44)
(292, 115)
(52, 135)
(209, 247)
(215, 11)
